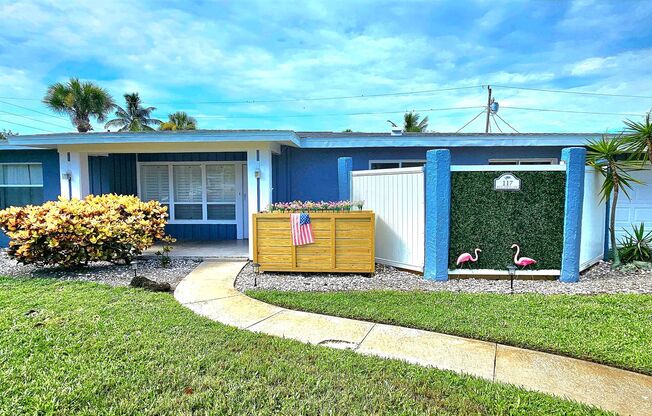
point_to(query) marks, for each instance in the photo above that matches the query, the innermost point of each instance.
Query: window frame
(518, 160)
(41, 185)
(399, 161)
(204, 203)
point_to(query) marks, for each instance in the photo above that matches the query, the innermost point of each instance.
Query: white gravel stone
(104, 272)
(598, 279)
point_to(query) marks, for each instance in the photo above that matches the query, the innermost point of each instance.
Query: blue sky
(180, 54)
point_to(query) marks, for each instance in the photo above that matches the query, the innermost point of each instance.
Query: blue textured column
(344, 168)
(438, 213)
(575, 158)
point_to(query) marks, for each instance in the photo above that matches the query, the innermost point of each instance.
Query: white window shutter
(220, 183)
(187, 183)
(154, 183)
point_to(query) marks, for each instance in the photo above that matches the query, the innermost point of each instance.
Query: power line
(24, 125)
(572, 111)
(341, 97)
(503, 120)
(31, 109)
(338, 114)
(33, 119)
(471, 121)
(287, 100)
(496, 123)
(19, 99)
(599, 94)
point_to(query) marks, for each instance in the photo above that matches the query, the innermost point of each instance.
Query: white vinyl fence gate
(397, 198)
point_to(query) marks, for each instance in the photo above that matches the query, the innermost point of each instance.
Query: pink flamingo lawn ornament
(523, 261)
(466, 257)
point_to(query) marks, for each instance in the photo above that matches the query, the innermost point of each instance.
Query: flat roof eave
(310, 140)
(452, 140)
(199, 136)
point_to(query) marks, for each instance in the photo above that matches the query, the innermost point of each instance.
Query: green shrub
(113, 228)
(636, 245)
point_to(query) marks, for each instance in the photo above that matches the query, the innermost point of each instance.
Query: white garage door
(638, 209)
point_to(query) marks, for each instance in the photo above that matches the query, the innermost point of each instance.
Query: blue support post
(575, 159)
(438, 210)
(344, 168)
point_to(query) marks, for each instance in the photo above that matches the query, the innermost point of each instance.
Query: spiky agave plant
(636, 244)
(609, 156)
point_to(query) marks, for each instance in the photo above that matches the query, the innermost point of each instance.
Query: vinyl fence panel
(593, 220)
(397, 198)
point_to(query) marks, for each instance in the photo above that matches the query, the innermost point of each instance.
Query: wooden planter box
(344, 242)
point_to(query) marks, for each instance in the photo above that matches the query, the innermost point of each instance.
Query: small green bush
(636, 245)
(113, 228)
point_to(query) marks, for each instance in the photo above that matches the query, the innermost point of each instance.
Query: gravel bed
(104, 272)
(598, 279)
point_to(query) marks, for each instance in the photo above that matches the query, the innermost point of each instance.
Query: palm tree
(411, 122)
(135, 117)
(638, 136)
(609, 157)
(179, 121)
(79, 100)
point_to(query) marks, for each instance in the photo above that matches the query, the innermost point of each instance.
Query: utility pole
(486, 128)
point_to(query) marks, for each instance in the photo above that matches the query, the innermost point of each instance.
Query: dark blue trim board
(575, 158)
(438, 214)
(344, 168)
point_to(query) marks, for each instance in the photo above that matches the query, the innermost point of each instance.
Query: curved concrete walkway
(209, 291)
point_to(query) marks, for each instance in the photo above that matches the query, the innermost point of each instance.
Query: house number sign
(507, 182)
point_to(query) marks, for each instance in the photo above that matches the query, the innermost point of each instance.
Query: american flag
(301, 229)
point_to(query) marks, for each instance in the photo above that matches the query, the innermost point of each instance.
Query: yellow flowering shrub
(111, 227)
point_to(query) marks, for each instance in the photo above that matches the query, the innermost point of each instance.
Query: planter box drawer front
(344, 242)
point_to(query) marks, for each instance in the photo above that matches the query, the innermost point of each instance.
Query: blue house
(211, 180)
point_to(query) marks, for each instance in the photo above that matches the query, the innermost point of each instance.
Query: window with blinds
(193, 192)
(21, 184)
(155, 183)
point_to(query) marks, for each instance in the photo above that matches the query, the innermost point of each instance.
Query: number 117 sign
(507, 182)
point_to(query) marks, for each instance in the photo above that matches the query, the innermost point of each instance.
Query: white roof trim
(312, 141)
(53, 140)
(449, 141)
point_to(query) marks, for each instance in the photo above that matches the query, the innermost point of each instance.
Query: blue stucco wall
(311, 174)
(50, 161)
(116, 173)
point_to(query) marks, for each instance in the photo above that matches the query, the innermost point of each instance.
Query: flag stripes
(301, 229)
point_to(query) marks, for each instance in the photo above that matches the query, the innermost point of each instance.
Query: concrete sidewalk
(209, 291)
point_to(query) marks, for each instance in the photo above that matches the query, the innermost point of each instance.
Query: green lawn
(85, 348)
(611, 329)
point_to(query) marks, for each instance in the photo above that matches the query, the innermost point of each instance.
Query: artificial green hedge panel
(494, 220)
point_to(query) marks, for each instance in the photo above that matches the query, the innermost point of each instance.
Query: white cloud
(591, 65)
(314, 49)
